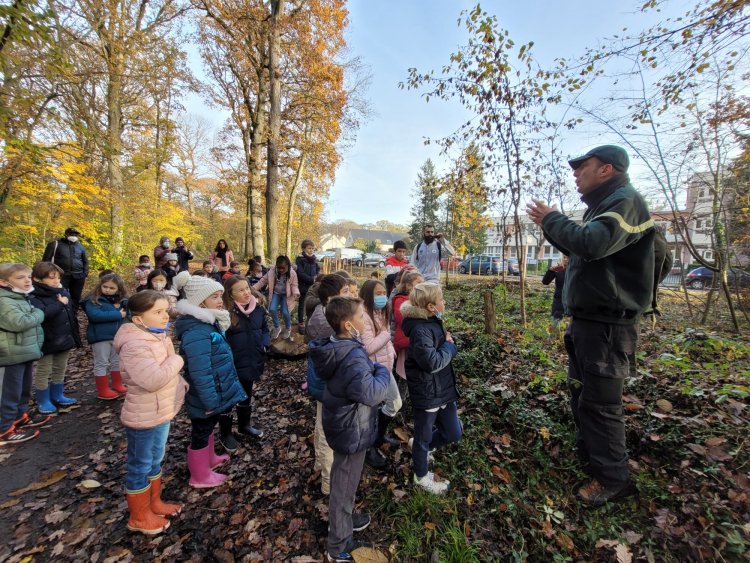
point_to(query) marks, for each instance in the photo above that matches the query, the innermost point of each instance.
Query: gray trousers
(599, 363)
(106, 359)
(345, 475)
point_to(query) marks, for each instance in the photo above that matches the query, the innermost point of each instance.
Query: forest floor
(513, 474)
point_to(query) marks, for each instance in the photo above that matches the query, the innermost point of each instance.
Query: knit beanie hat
(197, 288)
(171, 256)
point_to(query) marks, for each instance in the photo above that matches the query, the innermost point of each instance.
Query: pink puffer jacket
(378, 344)
(151, 370)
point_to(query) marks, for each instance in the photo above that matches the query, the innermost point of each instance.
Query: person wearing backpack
(69, 254)
(428, 253)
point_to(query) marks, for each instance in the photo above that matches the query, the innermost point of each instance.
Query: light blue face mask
(380, 301)
(439, 314)
(155, 330)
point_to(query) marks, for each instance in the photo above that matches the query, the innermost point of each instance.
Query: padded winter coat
(292, 289)
(151, 370)
(400, 341)
(306, 272)
(209, 365)
(70, 256)
(378, 344)
(429, 371)
(249, 338)
(21, 335)
(354, 389)
(104, 318)
(317, 328)
(60, 325)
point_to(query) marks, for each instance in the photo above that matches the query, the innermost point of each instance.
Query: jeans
(277, 300)
(16, 393)
(51, 366)
(146, 447)
(392, 403)
(433, 430)
(105, 358)
(200, 430)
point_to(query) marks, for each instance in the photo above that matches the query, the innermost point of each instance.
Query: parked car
(481, 264)
(371, 259)
(325, 254)
(450, 263)
(703, 277)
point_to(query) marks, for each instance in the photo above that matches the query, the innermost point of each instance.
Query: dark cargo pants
(599, 363)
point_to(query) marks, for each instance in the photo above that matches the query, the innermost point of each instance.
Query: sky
(378, 171)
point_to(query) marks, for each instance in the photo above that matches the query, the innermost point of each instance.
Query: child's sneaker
(287, 333)
(275, 331)
(429, 484)
(360, 521)
(346, 555)
(12, 436)
(29, 420)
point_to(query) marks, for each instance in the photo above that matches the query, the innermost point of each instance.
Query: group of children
(357, 338)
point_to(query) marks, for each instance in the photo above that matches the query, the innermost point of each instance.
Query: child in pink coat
(155, 394)
(284, 292)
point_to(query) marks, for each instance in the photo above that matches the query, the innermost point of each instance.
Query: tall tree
(426, 195)
(274, 127)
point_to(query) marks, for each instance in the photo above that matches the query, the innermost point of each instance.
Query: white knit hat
(171, 256)
(197, 288)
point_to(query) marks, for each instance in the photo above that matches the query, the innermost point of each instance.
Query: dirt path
(270, 510)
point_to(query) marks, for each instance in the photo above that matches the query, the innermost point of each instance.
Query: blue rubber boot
(58, 397)
(43, 404)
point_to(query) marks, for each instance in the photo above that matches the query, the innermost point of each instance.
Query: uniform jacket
(249, 339)
(378, 344)
(558, 275)
(307, 271)
(209, 364)
(70, 256)
(429, 371)
(354, 389)
(610, 277)
(151, 370)
(21, 335)
(60, 325)
(269, 279)
(104, 318)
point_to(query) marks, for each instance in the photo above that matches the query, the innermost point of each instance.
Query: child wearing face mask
(142, 270)
(21, 339)
(156, 392)
(249, 338)
(431, 380)
(105, 308)
(159, 280)
(376, 338)
(171, 267)
(282, 284)
(209, 369)
(60, 328)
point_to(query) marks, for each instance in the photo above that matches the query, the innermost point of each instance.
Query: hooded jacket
(429, 371)
(104, 318)
(60, 325)
(21, 335)
(400, 341)
(70, 256)
(610, 276)
(209, 364)
(354, 389)
(151, 370)
(248, 339)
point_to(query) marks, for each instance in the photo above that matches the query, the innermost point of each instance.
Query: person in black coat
(70, 255)
(558, 274)
(184, 256)
(308, 269)
(431, 380)
(61, 335)
(249, 338)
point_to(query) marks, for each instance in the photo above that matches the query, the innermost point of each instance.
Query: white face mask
(73, 239)
(167, 244)
(21, 291)
(159, 286)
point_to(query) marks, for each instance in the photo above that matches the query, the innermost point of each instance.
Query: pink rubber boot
(201, 476)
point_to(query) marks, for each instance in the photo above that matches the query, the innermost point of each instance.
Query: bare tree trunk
(113, 153)
(293, 200)
(274, 126)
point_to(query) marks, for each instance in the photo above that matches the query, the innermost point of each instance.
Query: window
(702, 193)
(708, 254)
(698, 224)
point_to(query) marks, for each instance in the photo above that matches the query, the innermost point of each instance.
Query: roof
(382, 236)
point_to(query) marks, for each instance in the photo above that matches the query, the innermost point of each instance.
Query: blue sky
(378, 171)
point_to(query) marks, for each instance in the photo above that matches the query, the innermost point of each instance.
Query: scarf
(311, 259)
(222, 317)
(247, 308)
(222, 253)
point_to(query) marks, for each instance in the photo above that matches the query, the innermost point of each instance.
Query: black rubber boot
(226, 437)
(383, 422)
(375, 459)
(244, 422)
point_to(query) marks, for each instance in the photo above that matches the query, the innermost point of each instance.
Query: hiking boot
(275, 331)
(429, 484)
(360, 521)
(596, 494)
(30, 420)
(12, 436)
(375, 459)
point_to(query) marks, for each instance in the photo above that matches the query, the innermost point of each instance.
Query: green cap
(608, 154)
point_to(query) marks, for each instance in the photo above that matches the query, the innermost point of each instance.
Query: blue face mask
(380, 301)
(439, 314)
(155, 330)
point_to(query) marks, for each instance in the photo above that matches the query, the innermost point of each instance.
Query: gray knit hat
(197, 288)
(171, 256)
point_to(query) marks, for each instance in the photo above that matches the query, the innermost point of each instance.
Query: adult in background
(222, 256)
(608, 286)
(69, 254)
(184, 256)
(557, 273)
(160, 252)
(428, 253)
